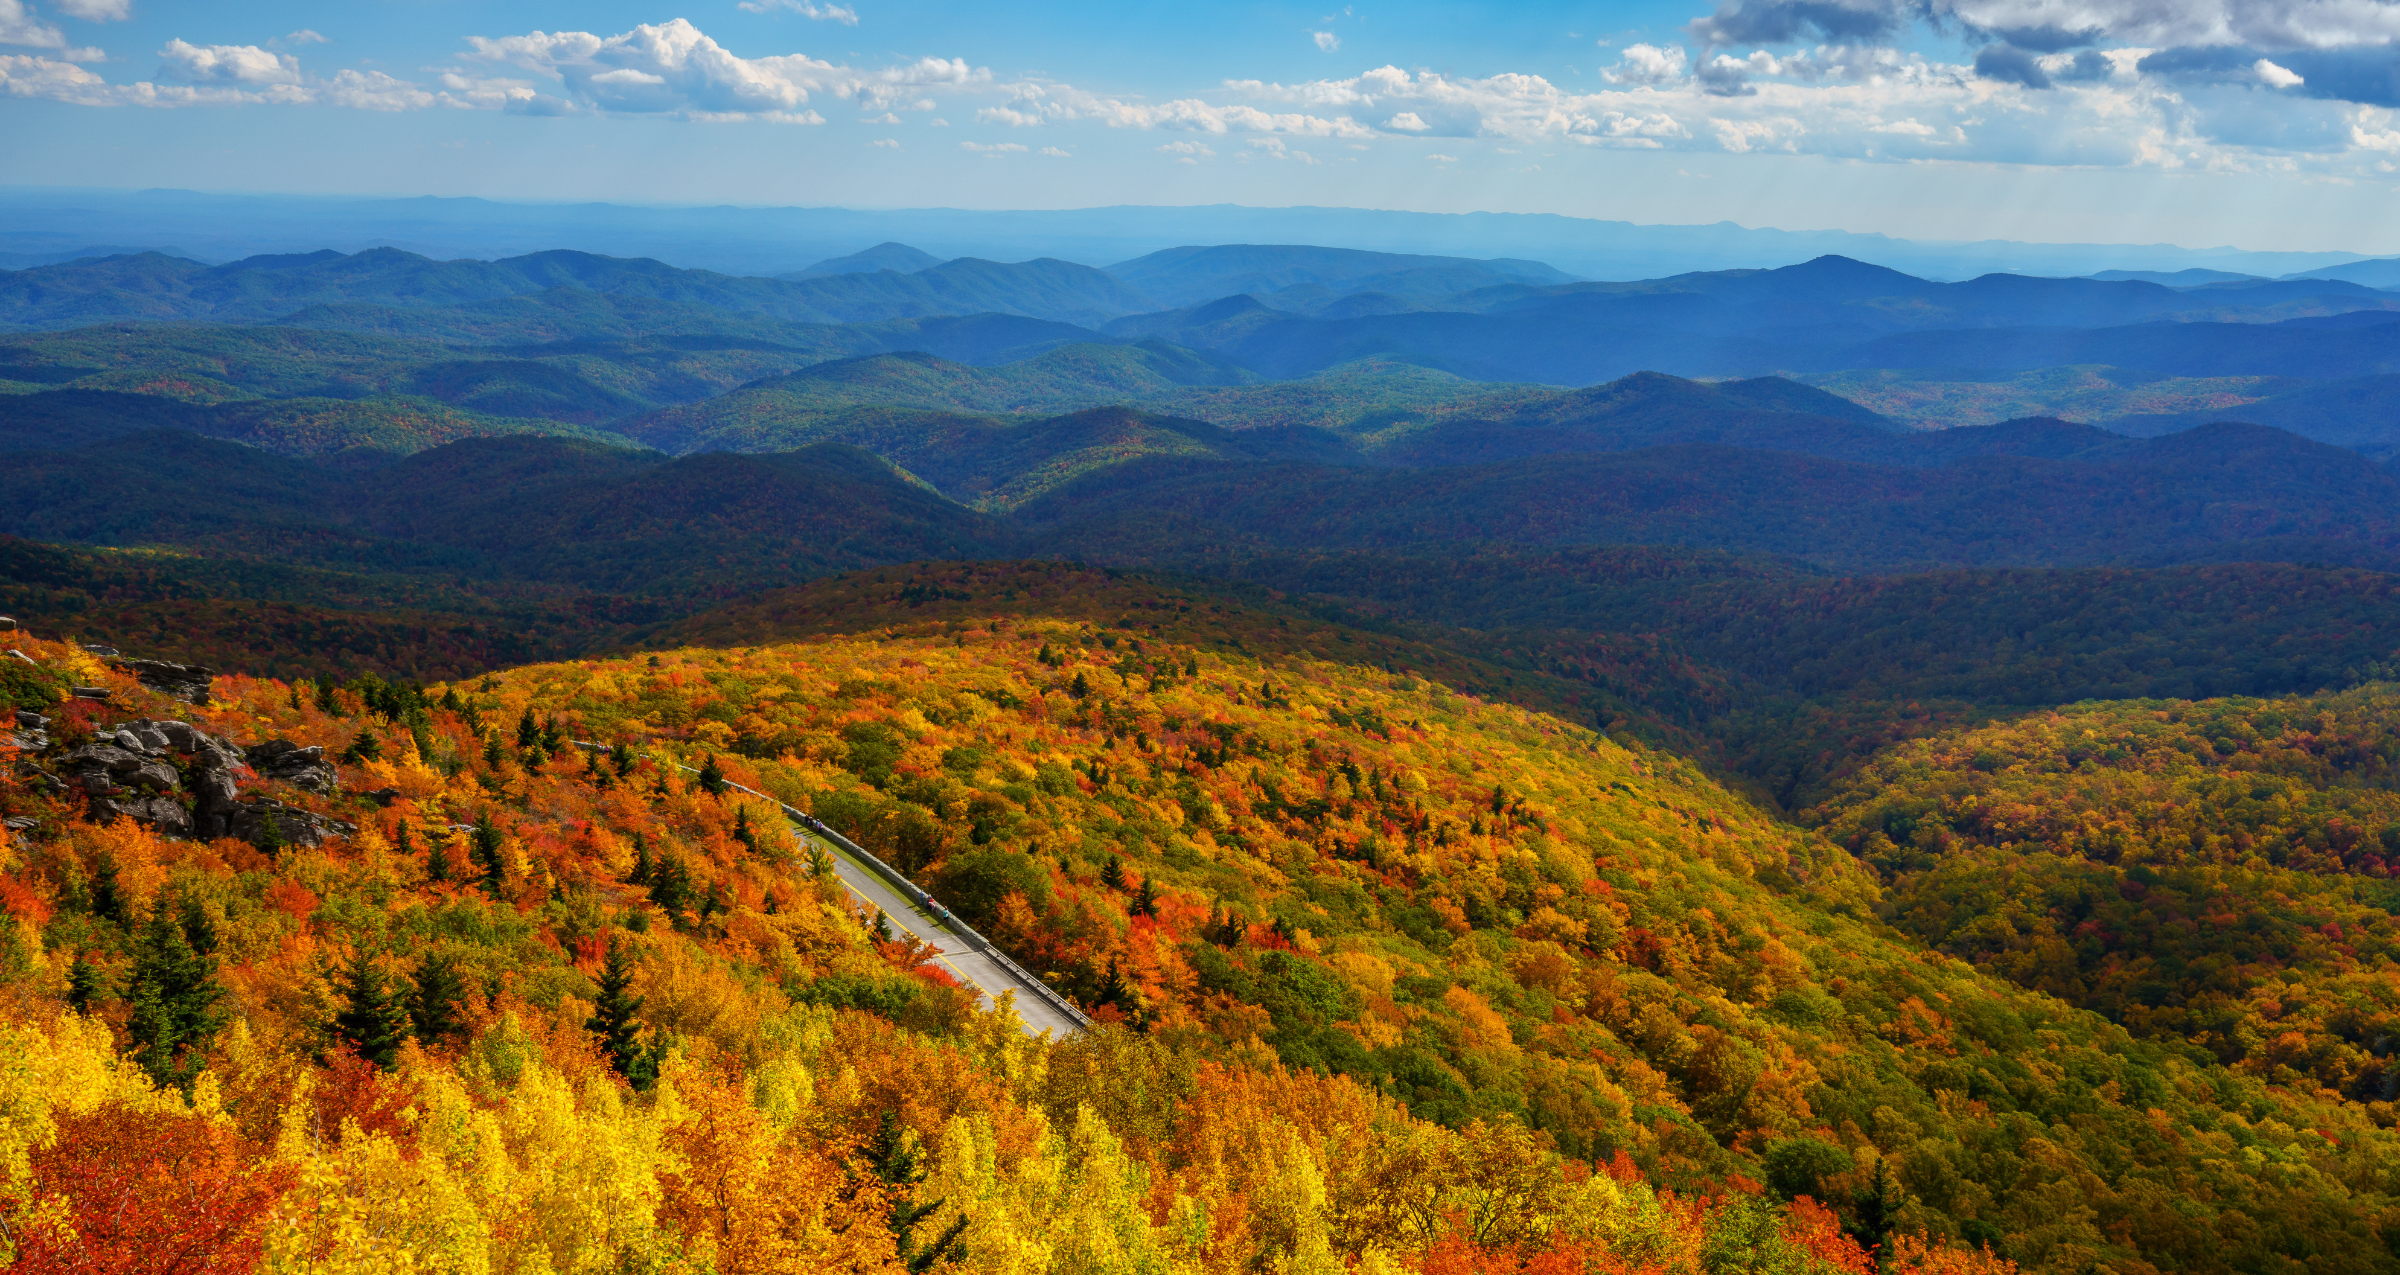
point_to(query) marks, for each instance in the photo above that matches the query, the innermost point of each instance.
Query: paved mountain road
(963, 952)
(961, 956)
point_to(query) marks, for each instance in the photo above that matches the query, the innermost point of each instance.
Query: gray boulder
(186, 682)
(251, 822)
(101, 768)
(284, 760)
(159, 810)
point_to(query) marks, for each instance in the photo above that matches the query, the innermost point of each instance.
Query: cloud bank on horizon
(2308, 88)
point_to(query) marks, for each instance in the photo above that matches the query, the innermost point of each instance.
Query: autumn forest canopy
(1247, 759)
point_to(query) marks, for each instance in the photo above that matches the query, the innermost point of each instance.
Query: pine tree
(741, 829)
(437, 861)
(1112, 873)
(1145, 900)
(900, 1164)
(671, 887)
(529, 731)
(326, 703)
(494, 753)
(374, 1015)
(613, 1020)
(175, 998)
(433, 1003)
(483, 848)
(364, 747)
(108, 897)
(1081, 687)
(641, 861)
(622, 758)
(86, 983)
(712, 777)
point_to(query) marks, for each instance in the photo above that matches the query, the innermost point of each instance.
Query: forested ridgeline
(1781, 679)
(2218, 872)
(1395, 978)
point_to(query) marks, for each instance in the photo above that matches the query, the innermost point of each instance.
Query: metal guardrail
(908, 890)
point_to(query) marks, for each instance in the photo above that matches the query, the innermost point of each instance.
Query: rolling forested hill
(1410, 940)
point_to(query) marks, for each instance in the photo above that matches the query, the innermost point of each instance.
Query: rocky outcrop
(300, 767)
(181, 780)
(266, 823)
(186, 682)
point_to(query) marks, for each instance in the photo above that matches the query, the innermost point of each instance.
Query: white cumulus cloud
(97, 10)
(18, 26)
(821, 12)
(675, 67)
(1649, 64)
(2275, 77)
(244, 64)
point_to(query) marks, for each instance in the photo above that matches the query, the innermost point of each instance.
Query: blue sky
(2268, 124)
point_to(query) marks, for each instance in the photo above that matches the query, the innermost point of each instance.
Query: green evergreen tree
(613, 1020)
(363, 747)
(900, 1164)
(1145, 900)
(494, 753)
(712, 777)
(373, 1018)
(326, 701)
(642, 866)
(433, 1003)
(175, 997)
(529, 731)
(671, 887)
(86, 984)
(437, 860)
(483, 849)
(1112, 873)
(741, 829)
(108, 897)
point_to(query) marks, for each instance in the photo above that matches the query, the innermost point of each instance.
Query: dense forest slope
(2216, 871)
(2127, 500)
(1361, 931)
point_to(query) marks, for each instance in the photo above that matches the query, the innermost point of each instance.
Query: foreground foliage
(553, 1010)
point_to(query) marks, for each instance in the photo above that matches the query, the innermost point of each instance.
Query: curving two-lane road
(963, 952)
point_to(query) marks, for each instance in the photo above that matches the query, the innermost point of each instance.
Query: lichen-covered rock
(101, 768)
(281, 759)
(159, 810)
(186, 682)
(266, 824)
